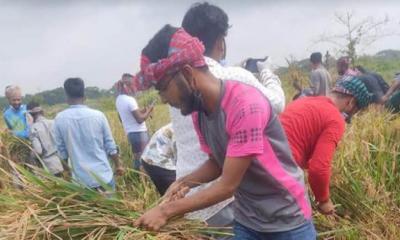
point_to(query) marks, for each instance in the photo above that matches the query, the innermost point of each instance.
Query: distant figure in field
(374, 83)
(392, 96)
(41, 136)
(83, 138)
(314, 126)
(320, 79)
(159, 158)
(15, 115)
(343, 67)
(132, 117)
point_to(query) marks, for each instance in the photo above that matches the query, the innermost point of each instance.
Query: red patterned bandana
(183, 49)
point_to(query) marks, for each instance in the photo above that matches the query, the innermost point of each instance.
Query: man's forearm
(392, 89)
(216, 193)
(207, 172)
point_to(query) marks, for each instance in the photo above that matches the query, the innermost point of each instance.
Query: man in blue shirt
(84, 137)
(15, 115)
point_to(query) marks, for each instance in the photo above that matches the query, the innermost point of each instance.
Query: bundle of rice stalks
(48, 207)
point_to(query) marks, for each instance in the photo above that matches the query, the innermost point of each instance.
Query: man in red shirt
(314, 127)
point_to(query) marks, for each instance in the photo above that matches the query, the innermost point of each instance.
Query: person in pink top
(246, 144)
(343, 67)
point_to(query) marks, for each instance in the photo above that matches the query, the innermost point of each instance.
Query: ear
(188, 73)
(220, 46)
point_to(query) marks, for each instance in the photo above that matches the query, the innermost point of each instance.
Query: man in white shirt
(133, 118)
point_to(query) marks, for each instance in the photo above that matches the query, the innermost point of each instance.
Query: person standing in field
(41, 136)
(15, 115)
(320, 79)
(83, 138)
(159, 158)
(133, 118)
(314, 127)
(243, 138)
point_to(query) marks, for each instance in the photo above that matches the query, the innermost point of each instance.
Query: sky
(44, 42)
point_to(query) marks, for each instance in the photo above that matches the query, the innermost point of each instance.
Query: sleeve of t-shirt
(320, 164)
(316, 79)
(247, 117)
(132, 104)
(203, 145)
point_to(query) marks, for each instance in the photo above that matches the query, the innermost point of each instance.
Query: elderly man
(15, 115)
(240, 132)
(42, 138)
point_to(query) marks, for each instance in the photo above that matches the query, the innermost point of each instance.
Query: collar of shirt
(78, 106)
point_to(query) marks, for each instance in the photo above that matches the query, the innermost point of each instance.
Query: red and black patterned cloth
(183, 49)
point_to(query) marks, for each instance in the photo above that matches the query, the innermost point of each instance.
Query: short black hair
(32, 104)
(127, 75)
(316, 57)
(207, 22)
(157, 48)
(74, 88)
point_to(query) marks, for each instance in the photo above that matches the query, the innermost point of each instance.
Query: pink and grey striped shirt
(272, 196)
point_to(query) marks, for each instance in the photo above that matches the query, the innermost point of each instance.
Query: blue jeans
(138, 141)
(304, 232)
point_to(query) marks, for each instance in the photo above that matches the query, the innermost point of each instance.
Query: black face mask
(192, 100)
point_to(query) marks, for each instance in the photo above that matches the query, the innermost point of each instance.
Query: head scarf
(183, 49)
(356, 88)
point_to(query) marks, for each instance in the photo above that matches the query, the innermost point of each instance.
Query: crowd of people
(233, 155)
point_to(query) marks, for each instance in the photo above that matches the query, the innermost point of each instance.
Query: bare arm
(141, 115)
(207, 172)
(232, 174)
(395, 86)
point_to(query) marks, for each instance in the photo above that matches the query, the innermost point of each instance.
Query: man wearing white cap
(41, 135)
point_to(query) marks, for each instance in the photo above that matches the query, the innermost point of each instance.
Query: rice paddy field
(365, 187)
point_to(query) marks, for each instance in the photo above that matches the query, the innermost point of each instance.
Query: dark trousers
(161, 177)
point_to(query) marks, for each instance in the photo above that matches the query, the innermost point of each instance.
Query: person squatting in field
(243, 137)
(41, 135)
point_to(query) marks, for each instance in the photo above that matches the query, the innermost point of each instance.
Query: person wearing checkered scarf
(352, 95)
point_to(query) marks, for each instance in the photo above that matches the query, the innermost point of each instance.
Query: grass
(365, 187)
